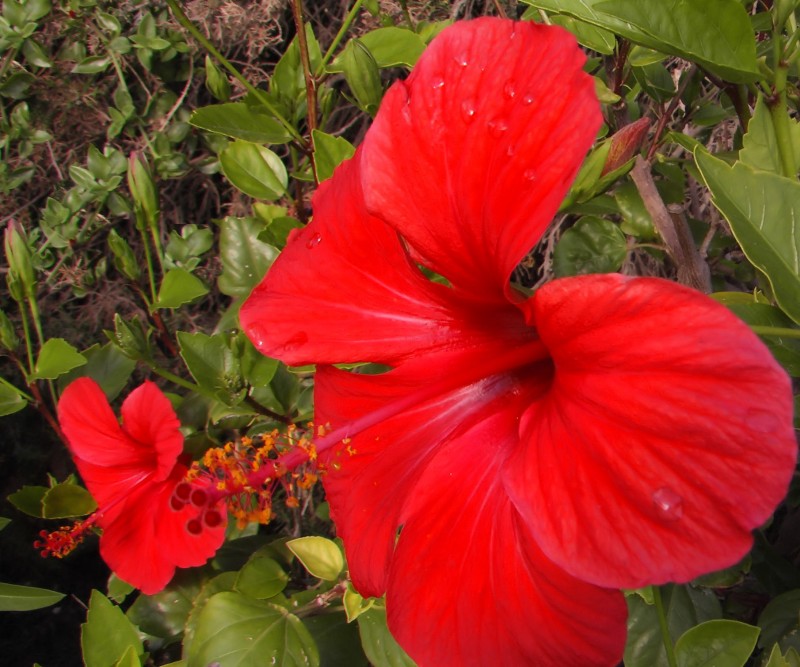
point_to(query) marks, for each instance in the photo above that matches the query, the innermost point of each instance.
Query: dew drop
(762, 421)
(528, 99)
(510, 89)
(669, 504)
(468, 110)
(511, 150)
(497, 127)
(529, 175)
(406, 111)
(462, 59)
(438, 82)
(314, 241)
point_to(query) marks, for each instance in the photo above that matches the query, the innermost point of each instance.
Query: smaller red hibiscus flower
(132, 470)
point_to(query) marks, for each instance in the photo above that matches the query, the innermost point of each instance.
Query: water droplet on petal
(511, 150)
(462, 59)
(314, 241)
(529, 174)
(762, 421)
(438, 82)
(497, 126)
(468, 110)
(510, 89)
(527, 100)
(669, 504)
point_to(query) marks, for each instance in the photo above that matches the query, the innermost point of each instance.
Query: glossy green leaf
(780, 617)
(55, 358)
(329, 153)
(107, 633)
(179, 287)
(67, 500)
(212, 364)
(240, 121)
(129, 659)
(29, 500)
(636, 220)
(354, 603)
(118, 590)
(588, 35)
(390, 47)
(685, 608)
(164, 614)
(245, 259)
(92, 65)
(379, 646)
(592, 245)
(261, 578)
(338, 642)
(713, 33)
(237, 631)
(319, 555)
(717, 643)
(107, 366)
(254, 170)
(26, 598)
(361, 73)
(222, 582)
(763, 210)
(11, 400)
(760, 145)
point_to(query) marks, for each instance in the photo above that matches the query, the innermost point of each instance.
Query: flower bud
(143, 190)
(18, 256)
(361, 73)
(625, 143)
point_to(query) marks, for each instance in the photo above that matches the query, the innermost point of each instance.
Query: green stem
(311, 84)
(662, 624)
(776, 331)
(148, 258)
(208, 46)
(351, 15)
(36, 317)
(26, 334)
(176, 379)
(779, 110)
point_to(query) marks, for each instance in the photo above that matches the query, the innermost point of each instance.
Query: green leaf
(29, 500)
(216, 81)
(588, 35)
(779, 618)
(245, 259)
(685, 608)
(67, 500)
(92, 65)
(240, 121)
(261, 578)
(636, 220)
(4, 521)
(354, 603)
(164, 614)
(390, 47)
(329, 153)
(237, 631)
(319, 555)
(26, 598)
(714, 33)
(592, 245)
(107, 633)
(118, 590)
(763, 210)
(718, 643)
(107, 366)
(179, 287)
(760, 145)
(339, 644)
(380, 647)
(129, 659)
(56, 357)
(11, 400)
(212, 364)
(254, 170)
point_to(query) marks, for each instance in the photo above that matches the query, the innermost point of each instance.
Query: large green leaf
(261, 578)
(391, 47)
(592, 245)
(379, 645)
(179, 287)
(164, 614)
(56, 357)
(212, 363)
(329, 152)
(67, 500)
(760, 145)
(254, 170)
(236, 631)
(780, 618)
(763, 210)
(718, 643)
(685, 607)
(107, 633)
(714, 33)
(107, 366)
(245, 259)
(26, 598)
(338, 641)
(240, 121)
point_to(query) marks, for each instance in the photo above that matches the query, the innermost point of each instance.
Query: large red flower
(131, 470)
(524, 457)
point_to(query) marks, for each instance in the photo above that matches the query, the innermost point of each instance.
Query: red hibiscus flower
(525, 456)
(131, 470)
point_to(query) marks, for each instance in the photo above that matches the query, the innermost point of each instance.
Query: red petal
(469, 587)
(666, 437)
(470, 157)
(109, 461)
(148, 418)
(367, 489)
(144, 540)
(345, 289)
